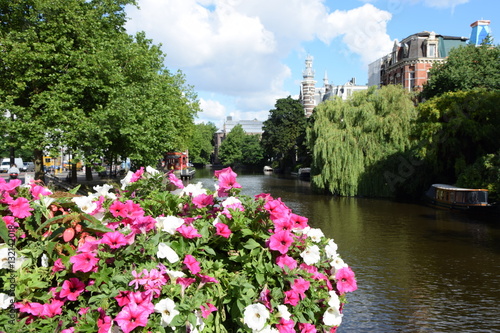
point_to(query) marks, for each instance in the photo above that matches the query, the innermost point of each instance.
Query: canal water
(418, 269)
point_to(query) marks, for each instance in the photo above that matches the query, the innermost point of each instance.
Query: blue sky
(242, 55)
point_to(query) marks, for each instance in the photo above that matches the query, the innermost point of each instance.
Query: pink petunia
(285, 260)
(188, 231)
(37, 191)
(118, 209)
(207, 309)
(137, 175)
(20, 208)
(104, 322)
(84, 262)
(300, 286)
(283, 224)
(203, 200)
(192, 264)
(281, 241)
(174, 180)
(298, 222)
(68, 330)
(206, 278)
(291, 297)
(277, 210)
(143, 224)
(72, 288)
(227, 181)
(286, 326)
(346, 281)
(307, 328)
(223, 230)
(114, 239)
(52, 309)
(33, 308)
(132, 316)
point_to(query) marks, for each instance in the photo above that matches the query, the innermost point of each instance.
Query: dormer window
(432, 46)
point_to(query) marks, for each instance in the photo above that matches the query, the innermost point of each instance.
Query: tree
(71, 77)
(466, 67)
(351, 139)
(230, 151)
(201, 145)
(253, 152)
(284, 132)
(456, 129)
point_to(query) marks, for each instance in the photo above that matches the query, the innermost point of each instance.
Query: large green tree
(201, 145)
(72, 77)
(283, 137)
(230, 151)
(466, 67)
(362, 136)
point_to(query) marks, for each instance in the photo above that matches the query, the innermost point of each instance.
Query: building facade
(411, 59)
(311, 96)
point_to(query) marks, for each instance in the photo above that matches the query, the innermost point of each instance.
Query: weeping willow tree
(356, 144)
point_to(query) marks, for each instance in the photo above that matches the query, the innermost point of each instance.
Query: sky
(240, 56)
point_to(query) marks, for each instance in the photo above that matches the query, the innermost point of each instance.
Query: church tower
(308, 88)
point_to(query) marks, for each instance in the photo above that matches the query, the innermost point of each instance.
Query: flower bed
(155, 256)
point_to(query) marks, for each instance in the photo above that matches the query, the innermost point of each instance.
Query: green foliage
(484, 173)
(349, 139)
(284, 132)
(231, 149)
(253, 152)
(466, 68)
(201, 145)
(457, 128)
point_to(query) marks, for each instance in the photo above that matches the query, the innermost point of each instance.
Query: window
(431, 50)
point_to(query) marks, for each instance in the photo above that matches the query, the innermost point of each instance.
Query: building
(250, 127)
(311, 96)
(411, 59)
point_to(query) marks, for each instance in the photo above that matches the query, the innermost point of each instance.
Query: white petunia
(86, 204)
(332, 317)
(165, 251)
(169, 223)
(230, 201)
(337, 263)
(334, 300)
(217, 220)
(193, 190)
(267, 329)
(283, 312)
(311, 255)
(331, 249)
(152, 170)
(315, 234)
(174, 275)
(9, 259)
(103, 191)
(6, 301)
(255, 316)
(126, 180)
(44, 260)
(166, 307)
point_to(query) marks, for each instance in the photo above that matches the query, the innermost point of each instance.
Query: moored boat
(452, 197)
(268, 169)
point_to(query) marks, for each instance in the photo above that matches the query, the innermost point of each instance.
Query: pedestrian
(13, 171)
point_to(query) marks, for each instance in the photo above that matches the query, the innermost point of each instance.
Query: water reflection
(418, 269)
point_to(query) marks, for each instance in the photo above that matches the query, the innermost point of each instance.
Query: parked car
(5, 166)
(28, 167)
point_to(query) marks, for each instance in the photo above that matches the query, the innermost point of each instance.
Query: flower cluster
(156, 255)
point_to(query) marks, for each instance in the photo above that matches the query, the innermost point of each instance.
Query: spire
(308, 73)
(325, 79)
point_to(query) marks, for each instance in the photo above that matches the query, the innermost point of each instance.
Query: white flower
(315, 234)
(332, 317)
(165, 251)
(283, 312)
(126, 181)
(169, 223)
(45, 201)
(9, 259)
(103, 191)
(152, 170)
(256, 316)
(6, 301)
(334, 300)
(44, 260)
(337, 263)
(166, 307)
(230, 201)
(86, 204)
(267, 329)
(174, 275)
(216, 220)
(192, 190)
(331, 249)
(311, 255)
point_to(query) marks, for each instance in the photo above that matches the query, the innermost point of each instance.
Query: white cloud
(237, 48)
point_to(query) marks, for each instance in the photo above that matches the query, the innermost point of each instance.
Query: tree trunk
(74, 178)
(39, 173)
(88, 172)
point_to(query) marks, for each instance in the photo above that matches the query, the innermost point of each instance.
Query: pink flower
(68, 330)
(37, 190)
(143, 224)
(285, 260)
(132, 316)
(227, 181)
(277, 210)
(281, 241)
(291, 297)
(104, 322)
(83, 311)
(300, 286)
(207, 309)
(192, 264)
(52, 309)
(188, 231)
(114, 239)
(20, 208)
(137, 175)
(174, 180)
(33, 308)
(345, 280)
(72, 288)
(117, 209)
(10, 187)
(203, 200)
(307, 328)
(298, 222)
(265, 297)
(223, 230)
(206, 279)
(84, 262)
(283, 224)
(286, 326)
